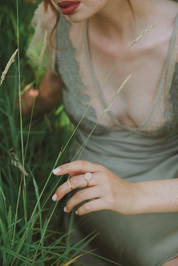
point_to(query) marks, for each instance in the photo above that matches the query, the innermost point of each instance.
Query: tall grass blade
(2, 231)
(14, 254)
(9, 217)
(21, 124)
(16, 213)
(72, 248)
(71, 261)
(43, 48)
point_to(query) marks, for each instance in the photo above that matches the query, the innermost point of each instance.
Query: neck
(117, 17)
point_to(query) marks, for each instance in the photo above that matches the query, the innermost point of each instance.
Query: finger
(33, 92)
(74, 182)
(91, 206)
(77, 166)
(82, 195)
(75, 173)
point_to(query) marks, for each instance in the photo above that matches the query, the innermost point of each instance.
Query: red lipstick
(68, 7)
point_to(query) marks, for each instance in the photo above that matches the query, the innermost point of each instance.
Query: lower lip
(70, 9)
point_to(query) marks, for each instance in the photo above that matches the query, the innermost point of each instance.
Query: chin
(76, 18)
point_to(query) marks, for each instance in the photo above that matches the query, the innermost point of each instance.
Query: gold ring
(68, 182)
(88, 177)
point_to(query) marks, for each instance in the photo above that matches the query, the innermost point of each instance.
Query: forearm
(157, 196)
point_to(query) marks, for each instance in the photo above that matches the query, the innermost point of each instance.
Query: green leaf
(9, 217)
(14, 254)
(2, 231)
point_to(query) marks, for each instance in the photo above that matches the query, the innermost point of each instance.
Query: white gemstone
(88, 176)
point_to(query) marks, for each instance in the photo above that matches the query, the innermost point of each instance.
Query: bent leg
(173, 262)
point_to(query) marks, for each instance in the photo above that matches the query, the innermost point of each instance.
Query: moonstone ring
(88, 177)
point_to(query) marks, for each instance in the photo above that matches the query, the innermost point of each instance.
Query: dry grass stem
(15, 161)
(116, 94)
(44, 44)
(12, 59)
(142, 34)
(71, 261)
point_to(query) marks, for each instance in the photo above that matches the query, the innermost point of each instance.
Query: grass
(27, 235)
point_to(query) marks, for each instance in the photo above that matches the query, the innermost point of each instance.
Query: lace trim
(69, 71)
(170, 127)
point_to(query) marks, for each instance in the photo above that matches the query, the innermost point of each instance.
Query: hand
(107, 189)
(46, 97)
(28, 101)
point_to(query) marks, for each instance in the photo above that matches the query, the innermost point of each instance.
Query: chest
(92, 73)
(146, 63)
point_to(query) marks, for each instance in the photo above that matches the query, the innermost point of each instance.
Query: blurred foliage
(49, 132)
(28, 236)
(8, 32)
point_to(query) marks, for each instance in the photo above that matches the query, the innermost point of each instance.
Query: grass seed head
(11, 60)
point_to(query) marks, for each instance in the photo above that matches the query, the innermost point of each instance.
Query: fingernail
(56, 171)
(76, 212)
(54, 197)
(65, 209)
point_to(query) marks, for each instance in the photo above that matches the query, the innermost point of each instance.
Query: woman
(127, 172)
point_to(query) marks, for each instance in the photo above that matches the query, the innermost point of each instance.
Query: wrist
(141, 199)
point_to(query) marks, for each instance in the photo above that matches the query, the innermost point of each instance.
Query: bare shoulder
(158, 39)
(173, 11)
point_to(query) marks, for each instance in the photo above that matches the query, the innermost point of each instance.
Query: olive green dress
(136, 154)
(149, 152)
